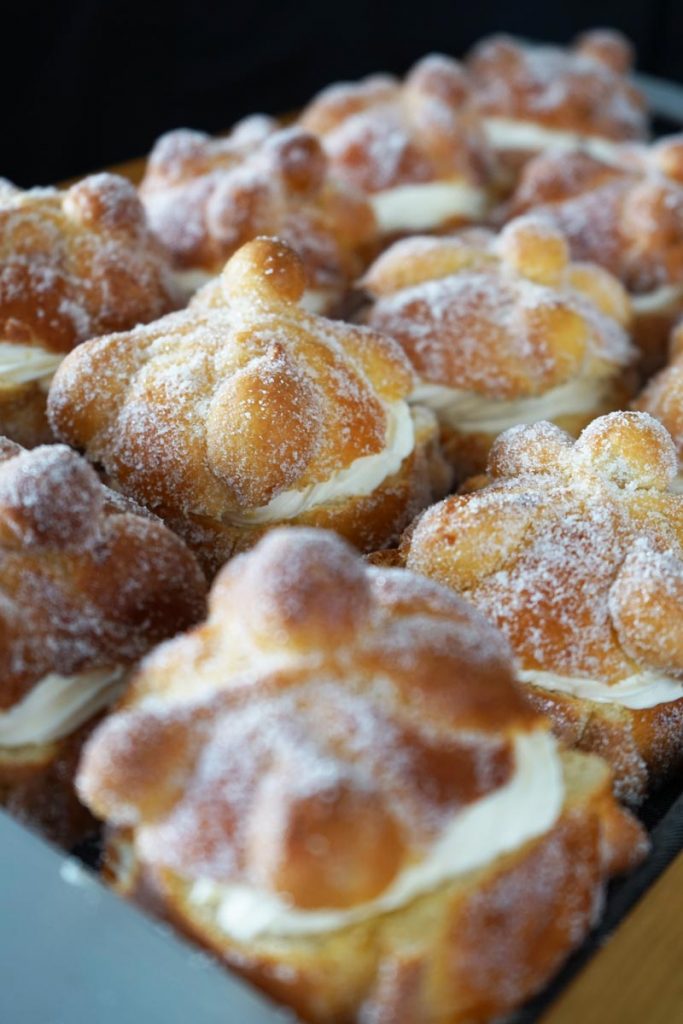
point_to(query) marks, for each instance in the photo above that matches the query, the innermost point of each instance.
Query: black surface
(87, 83)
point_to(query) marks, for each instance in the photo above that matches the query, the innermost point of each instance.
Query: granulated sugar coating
(557, 524)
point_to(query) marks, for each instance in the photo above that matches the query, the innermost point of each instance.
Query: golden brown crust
(575, 549)
(73, 264)
(212, 413)
(381, 133)
(502, 318)
(475, 948)
(207, 197)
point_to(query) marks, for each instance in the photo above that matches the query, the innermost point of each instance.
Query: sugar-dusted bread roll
(503, 329)
(205, 197)
(628, 218)
(335, 786)
(246, 411)
(73, 264)
(89, 583)
(575, 550)
(415, 146)
(533, 98)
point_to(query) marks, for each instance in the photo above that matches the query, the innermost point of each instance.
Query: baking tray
(71, 952)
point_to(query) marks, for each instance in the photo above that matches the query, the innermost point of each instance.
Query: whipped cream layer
(637, 692)
(363, 476)
(57, 705)
(318, 300)
(509, 133)
(470, 413)
(667, 299)
(426, 205)
(21, 364)
(190, 281)
(525, 807)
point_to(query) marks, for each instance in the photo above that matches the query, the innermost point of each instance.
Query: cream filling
(639, 691)
(190, 281)
(362, 477)
(317, 300)
(422, 206)
(676, 485)
(57, 705)
(470, 413)
(509, 133)
(522, 809)
(666, 299)
(21, 364)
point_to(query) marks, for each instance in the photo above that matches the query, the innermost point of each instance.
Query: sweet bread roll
(414, 146)
(503, 330)
(533, 98)
(73, 264)
(334, 785)
(663, 399)
(206, 197)
(575, 550)
(89, 583)
(245, 411)
(628, 219)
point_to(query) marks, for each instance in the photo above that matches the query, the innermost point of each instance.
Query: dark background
(86, 84)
